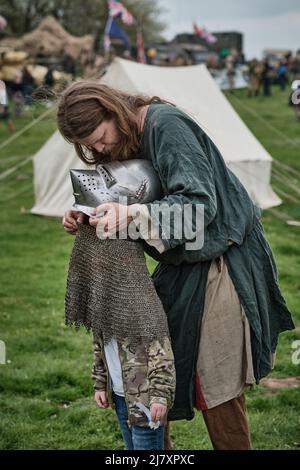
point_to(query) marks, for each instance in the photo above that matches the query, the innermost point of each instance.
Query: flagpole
(108, 24)
(140, 45)
(106, 36)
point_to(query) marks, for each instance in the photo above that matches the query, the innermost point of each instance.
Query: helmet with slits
(135, 181)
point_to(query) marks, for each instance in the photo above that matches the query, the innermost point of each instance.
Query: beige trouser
(224, 363)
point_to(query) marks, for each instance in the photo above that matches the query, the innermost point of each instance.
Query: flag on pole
(112, 29)
(3, 23)
(210, 38)
(106, 42)
(203, 34)
(197, 30)
(117, 8)
(140, 46)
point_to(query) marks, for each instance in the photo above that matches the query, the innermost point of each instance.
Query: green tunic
(192, 171)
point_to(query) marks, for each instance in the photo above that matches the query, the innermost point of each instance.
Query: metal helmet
(134, 179)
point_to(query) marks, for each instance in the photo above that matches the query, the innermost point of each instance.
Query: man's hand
(101, 399)
(110, 218)
(158, 411)
(70, 221)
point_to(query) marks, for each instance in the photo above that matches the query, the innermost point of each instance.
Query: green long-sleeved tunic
(192, 171)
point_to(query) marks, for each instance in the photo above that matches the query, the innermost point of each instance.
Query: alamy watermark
(3, 95)
(183, 223)
(296, 353)
(296, 97)
(2, 352)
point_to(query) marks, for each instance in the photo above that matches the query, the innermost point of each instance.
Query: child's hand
(101, 399)
(71, 220)
(158, 411)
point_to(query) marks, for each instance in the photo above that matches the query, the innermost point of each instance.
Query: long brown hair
(84, 105)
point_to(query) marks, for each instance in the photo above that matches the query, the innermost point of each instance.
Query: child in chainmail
(111, 293)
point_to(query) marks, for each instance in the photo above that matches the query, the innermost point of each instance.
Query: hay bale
(51, 39)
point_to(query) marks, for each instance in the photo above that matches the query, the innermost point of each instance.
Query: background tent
(194, 90)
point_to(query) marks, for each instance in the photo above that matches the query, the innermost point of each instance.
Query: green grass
(45, 387)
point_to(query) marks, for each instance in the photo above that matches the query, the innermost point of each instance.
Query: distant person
(28, 84)
(4, 110)
(289, 60)
(18, 100)
(17, 94)
(151, 55)
(69, 65)
(255, 78)
(295, 66)
(49, 80)
(230, 72)
(267, 74)
(282, 75)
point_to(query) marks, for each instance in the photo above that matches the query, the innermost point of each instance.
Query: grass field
(45, 386)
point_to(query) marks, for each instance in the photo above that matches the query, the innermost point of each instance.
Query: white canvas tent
(194, 90)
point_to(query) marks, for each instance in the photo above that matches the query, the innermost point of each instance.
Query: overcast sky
(265, 23)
